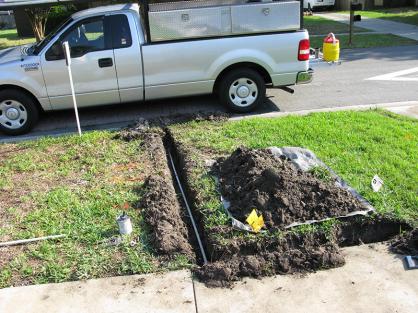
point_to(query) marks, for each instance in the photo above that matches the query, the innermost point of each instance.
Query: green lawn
(317, 25)
(73, 186)
(403, 15)
(357, 145)
(9, 38)
(367, 41)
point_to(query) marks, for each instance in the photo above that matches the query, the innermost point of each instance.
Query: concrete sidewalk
(410, 111)
(377, 25)
(373, 281)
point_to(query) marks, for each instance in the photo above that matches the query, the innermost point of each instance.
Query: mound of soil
(407, 243)
(141, 126)
(291, 254)
(162, 210)
(276, 188)
(359, 229)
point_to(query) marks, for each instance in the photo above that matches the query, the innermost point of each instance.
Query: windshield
(40, 45)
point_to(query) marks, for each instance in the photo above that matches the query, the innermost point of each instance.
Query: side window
(88, 36)
(121, 32)
(84, 37)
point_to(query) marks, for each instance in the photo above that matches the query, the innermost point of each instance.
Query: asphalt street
(366, 76)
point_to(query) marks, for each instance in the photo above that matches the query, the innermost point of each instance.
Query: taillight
(304, 46)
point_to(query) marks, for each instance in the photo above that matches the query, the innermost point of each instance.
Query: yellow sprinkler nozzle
(256, 222)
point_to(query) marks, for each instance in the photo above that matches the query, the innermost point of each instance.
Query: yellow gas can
(331, 48)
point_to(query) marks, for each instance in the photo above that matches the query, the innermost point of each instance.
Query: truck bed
(191, 67)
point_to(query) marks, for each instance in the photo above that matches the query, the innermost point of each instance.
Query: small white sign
(377, 183)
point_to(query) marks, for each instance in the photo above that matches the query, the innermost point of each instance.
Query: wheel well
(258, 68)
(14, 87)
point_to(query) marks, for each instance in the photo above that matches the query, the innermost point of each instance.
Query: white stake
(24, 241)
(67, 54)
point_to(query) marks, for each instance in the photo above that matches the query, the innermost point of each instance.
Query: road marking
(398, 76)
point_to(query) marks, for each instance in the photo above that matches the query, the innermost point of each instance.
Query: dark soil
(356, 230)
(278, 190)
(162, 210)
(233, 254)
(406, 243)
(293, 253)
(135, 131)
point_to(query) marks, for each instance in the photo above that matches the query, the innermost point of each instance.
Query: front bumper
(304, 77)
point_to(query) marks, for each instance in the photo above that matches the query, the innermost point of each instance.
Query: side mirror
(55, 52)
(78, 51)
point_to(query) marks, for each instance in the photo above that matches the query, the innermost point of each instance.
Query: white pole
(24, 241)
(67, 54)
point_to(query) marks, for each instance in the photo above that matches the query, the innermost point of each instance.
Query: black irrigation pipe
(202, 250)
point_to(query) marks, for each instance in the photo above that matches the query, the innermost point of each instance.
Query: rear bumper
(304, 77)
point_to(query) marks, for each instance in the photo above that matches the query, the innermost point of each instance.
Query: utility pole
(350, 40)
(354, 6)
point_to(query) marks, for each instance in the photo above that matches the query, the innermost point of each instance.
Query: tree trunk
(37, 19)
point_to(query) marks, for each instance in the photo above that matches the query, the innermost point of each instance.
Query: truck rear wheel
(242, 90)
(18, 112)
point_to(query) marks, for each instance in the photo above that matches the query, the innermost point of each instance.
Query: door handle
(106, 62)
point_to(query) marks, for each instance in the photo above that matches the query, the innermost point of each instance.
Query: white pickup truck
(114, 60)
(313, 4)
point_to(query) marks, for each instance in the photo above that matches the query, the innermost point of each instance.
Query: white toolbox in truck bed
(200, 19)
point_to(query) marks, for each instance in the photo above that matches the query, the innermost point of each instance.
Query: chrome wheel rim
(243, 92)
(13, 114)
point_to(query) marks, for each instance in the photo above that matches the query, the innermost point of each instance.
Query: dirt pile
(292, 254)
(276, 188)
(162, 210)
(245, 179)
(141, 126)
(406, 243)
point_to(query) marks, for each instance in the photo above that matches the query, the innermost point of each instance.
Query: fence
(7, 20)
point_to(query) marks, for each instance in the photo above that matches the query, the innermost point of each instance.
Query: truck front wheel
(242, 90)
(18, 112)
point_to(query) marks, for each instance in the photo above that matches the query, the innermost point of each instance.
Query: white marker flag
(377, 183)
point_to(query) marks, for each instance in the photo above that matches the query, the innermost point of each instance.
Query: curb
(332, 109)
(119, 125)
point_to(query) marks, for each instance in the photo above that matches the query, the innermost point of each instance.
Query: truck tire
(242, 90)
(18, 112)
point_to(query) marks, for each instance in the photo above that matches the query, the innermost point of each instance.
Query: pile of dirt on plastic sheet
(233, 255)
(161, 208)
(407, 243)
(256, 179)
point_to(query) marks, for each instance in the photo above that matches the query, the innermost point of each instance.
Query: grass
(73, 186)
(357, 145)
(408, 15)
(9, 38)
(317, 25)
(367, 41)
